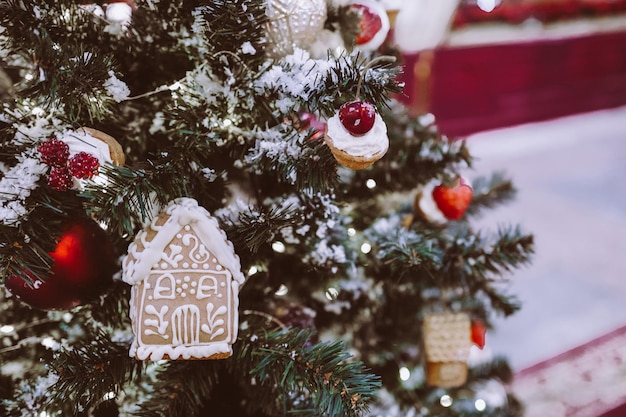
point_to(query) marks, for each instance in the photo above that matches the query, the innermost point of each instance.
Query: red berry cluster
(55, 152)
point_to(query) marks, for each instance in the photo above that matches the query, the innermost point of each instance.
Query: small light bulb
(278, 247)
(445, 400)
(351, 231)
(405, 374)
(253, 270)
(366, 248)
(480, 404)
(370, 184)
(227, 122)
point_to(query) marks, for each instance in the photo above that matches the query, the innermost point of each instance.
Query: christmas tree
(235, 181)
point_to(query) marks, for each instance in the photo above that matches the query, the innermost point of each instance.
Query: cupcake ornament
(356, 134)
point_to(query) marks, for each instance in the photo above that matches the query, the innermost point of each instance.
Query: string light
(405, 374)
(445, 400)
(278, 247)
(366, 248)
(253, 270)
(370, 184)
(351, 232)
(480, 404)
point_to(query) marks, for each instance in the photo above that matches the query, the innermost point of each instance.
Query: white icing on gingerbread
(373, 143)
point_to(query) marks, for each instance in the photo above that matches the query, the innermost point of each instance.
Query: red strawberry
(453, 201)
(478, 333)
(370, 24)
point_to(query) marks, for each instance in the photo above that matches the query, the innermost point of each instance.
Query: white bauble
(293, 24)
(423, 24)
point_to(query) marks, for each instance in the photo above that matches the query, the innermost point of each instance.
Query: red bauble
(84, 264)
(45, 295)
(453, 201)
(370, 24)
(357, 117)
(479, 331)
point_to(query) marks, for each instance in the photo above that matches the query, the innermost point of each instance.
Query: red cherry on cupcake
(357, 117)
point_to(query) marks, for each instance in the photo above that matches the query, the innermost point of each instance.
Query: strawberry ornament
(478, 333)
(373, 24)
(453, 200)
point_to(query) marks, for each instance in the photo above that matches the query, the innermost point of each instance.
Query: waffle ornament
(447, 342)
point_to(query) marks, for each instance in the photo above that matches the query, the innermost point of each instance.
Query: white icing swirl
(374, 142)
(428, 206)
(81, 141)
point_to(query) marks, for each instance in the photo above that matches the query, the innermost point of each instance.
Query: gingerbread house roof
(150, 243)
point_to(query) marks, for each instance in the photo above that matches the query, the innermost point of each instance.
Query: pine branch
(88, 373)
(489, 192)
(309, 379)
(342, 80)
(180, 389)
(258, 226)
(496, 368)
(408, 253)
(129, 196)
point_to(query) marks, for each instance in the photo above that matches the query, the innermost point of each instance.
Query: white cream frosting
(428, 206)
(373, 143)
(81, 141)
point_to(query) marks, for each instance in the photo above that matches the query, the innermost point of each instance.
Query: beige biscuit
(115, 149)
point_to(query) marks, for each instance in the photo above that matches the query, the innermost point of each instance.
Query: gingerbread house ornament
(185, 279)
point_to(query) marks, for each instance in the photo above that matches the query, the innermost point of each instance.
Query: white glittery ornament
(293, 24)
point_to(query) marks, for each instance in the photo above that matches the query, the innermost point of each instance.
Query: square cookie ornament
(185, 279)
